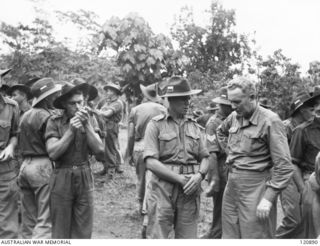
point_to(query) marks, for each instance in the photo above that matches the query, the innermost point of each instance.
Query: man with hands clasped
(176, 153)
(256, 142)
(70, 138)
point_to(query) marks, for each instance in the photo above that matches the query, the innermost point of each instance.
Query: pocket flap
(233, 129)
(193, 135)
(167, 136)
(4, 124)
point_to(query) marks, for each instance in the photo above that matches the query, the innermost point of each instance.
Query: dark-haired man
(70, 138)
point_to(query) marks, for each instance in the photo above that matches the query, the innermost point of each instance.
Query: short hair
(247, 85)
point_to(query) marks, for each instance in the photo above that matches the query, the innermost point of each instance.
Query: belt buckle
(74, 167)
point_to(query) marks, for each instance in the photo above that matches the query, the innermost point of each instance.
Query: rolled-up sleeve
(280, 155)
(51, 130)
(151, 141)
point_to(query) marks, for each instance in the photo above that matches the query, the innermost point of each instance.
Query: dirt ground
(116, 208)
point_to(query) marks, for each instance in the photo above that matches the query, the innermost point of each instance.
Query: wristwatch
(203, 175)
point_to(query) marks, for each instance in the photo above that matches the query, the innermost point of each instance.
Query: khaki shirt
(290, 124)
(258, 144)
(78, 151)
(142, 114)
(31, 132)
(9, 120)
(305, 144)
(112, 123)
(174, 143)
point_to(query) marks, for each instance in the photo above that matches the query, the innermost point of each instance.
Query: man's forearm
(163, 172)
(94, 141)
(57, 147)
(204, 165)
(213, 170)
(13, 142)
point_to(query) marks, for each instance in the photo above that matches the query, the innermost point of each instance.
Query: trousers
(171, 213)
(9, 196)
(290, 202)
(242, 194)
(140, 170)
(111, 150)
(33, 181)
(71, 202)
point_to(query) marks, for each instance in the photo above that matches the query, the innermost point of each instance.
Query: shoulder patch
(159, 117)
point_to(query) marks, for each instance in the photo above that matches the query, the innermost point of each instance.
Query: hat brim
(57, 103)
(147, 95)
(182, 94)
(311, 100)
(113, 88)
(219, 100)
(91, 91)
(55, 89)
(4, 72)
(22, 88)
(215, 108)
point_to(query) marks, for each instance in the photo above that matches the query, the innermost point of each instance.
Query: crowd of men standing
(248, 156)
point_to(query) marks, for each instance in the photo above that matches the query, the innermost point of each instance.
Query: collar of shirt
(65, 118)
(254, 119)
(186, 118)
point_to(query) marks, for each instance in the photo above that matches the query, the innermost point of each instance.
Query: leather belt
(184, 169)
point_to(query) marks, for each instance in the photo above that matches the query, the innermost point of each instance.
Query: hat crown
(298, 101)
(223, 93)
(177, 85)
(41, 86)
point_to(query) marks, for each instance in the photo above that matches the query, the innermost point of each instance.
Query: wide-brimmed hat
(177, 87)
(150, 92)
(113, 86)
(67, 90)
(264, 102)
(4, 88)
(315, 95)
(20, 87)
(43, 88)
(223, 97)
(212, 106)
(3, 72)
(299, 100)
(89, 90)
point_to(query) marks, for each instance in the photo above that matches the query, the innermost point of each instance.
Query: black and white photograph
(172, 119)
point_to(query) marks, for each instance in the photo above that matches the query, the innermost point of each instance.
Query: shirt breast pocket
(4, 131)
(234, 138)
(168, 143)
(252, 142)
(192, 142)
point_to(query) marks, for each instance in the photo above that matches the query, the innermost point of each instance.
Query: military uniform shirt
(211, 127)
(290, 124)
(9, 120)
(174, 143)
(142, 114)
(258, 144)
(78, 151)
(305, 144)
(112, 122)
(31, 132)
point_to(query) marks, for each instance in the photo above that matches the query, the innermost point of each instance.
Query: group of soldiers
(49, 130)
(248, 156)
